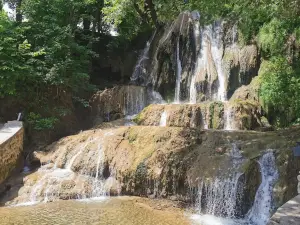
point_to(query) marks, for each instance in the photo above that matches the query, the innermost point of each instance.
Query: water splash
(163, 119)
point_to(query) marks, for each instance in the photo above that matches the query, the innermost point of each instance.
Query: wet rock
(206, 55)
(164, 162)
(115, 103)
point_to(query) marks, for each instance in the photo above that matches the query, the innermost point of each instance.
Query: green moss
(216, 112)
(132, 136)
(141, 116)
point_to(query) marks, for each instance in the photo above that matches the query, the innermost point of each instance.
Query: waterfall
(220, 196)
(218, 199)
(193, 90)
(211, 48)
(179, 67)
(163, 119)
(140, 67)
(155, 97)
(19, 116)
(261, 210)
(134, 100)
(98, 184)
(228, 118)
(88, 177)
(217, 54)
(178, 74)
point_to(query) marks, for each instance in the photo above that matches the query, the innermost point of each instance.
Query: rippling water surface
(113, 211)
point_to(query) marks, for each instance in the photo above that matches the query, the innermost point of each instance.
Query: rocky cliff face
(234, 115)
(188, 63)
(204, 63)
(115, 103)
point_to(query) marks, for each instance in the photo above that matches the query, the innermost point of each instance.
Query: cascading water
(217, 54)
(178, 74)
(98, 184)
(134, 100)
(220, 196)
(53, 181)
(218, 199)
(211, 48)
(197, 40)
(140, 68)
(179, 67)
(261, 210)
(229, 118)
(163, 119)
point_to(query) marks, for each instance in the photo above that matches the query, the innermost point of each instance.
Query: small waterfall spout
(163, 119)
(19, 116)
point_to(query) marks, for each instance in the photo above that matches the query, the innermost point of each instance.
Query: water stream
(178, 74)
(228, 117)
(163, 119)
(217, 199)
(140, 67)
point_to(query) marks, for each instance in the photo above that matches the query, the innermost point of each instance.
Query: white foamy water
(229, 117)
(221, 196)
(135, 100)
(178, 74)
(163, 119)
(261, 210)
(140, 67)
(53, 183)
(217, 54)
(211, 49)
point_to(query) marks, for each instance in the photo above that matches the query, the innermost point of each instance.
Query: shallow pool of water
(111, 211)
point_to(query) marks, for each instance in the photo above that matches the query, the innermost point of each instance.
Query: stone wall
(11, 147)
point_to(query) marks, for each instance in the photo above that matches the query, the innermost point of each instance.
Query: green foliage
(39, 123)
(82, 101)
(281, 90)
(272, 37)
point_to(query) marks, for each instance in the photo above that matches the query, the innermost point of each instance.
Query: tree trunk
(19, 15)
(142, 14)
(149, 5)
(86, 24)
